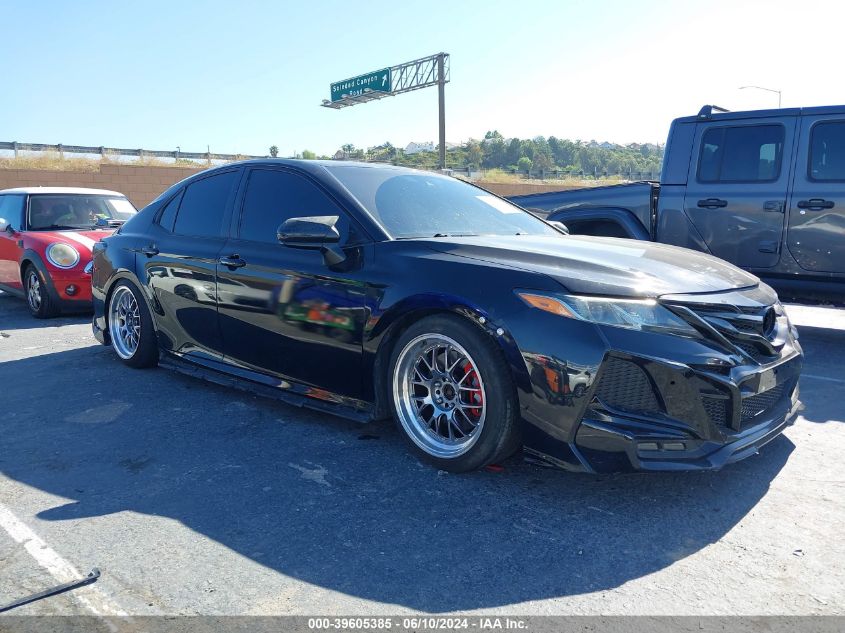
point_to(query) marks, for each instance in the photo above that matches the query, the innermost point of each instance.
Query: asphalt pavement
(197, 499)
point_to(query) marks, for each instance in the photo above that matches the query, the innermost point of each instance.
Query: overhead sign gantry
(388, 82)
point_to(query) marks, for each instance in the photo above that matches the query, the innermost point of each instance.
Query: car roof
(763, 114)
(313, 165)
(63, 190)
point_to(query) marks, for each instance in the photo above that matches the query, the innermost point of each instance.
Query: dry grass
(499, 176)
(53, 161)
(50, 161)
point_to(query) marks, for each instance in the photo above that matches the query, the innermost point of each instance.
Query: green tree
(513, 152)
(274, 151)
(474, 155)
(524, 164)
(307, 154)
(542, 161)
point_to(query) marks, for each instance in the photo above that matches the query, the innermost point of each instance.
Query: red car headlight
(62, 255)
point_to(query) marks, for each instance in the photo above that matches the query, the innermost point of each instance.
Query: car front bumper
(610, 441)
(602, 399)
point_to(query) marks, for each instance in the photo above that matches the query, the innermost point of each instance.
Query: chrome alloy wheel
(33, 290)
(124, 322)
(439, 395)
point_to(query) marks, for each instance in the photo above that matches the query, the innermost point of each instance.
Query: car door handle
(815, 204)
(712, 203)
(232, 261)
(773, 205)
(150, 251)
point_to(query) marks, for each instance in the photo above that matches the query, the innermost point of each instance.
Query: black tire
(500, 434)
(44, 305)
(145, 353)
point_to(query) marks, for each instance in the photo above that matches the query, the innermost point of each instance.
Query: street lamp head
(777, 92)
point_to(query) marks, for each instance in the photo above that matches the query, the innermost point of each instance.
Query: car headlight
(62, 255)
(633, 314)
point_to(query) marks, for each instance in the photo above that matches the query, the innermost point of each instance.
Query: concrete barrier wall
(142, 184)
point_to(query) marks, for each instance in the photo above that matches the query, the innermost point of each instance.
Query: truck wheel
(131, 328)
(452, 394)
(39, 296)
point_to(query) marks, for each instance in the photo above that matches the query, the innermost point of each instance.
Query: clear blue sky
(241, 76)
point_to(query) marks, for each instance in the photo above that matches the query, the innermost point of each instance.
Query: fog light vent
(625, 386)
(71, 290)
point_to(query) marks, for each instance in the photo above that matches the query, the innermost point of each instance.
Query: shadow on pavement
(299, 493)
(16, 316)
(823, 378)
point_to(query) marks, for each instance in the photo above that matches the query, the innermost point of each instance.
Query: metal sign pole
(441, 97)
(396, 80)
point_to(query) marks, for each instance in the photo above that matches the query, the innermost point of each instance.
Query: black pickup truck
(764, 190)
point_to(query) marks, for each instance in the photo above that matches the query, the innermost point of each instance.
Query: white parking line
(825, 378)
(90, 597)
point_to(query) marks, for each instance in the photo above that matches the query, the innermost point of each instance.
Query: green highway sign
(378, 81)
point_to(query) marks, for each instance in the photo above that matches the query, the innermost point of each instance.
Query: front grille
(717, 409)
(760, 403)
(747, 328)
(625, 386)
(755, 352)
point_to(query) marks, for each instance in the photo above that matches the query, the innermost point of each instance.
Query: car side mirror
(309, 232)
(560, 226)
(313, 232)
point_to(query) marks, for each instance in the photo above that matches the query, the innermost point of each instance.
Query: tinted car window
(204, 204)
(827, 151)
(275, 196)
(750, 153)
(168, 214)
(11, 210)
(414, 204)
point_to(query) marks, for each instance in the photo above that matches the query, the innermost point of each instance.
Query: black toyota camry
(373, 291)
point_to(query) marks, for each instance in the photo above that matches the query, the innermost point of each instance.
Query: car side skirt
(297, 394)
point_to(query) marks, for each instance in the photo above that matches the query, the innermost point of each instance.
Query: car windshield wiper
(61, 227)
(455, 235)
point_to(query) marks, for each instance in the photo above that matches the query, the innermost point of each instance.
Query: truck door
(737, 187)
(816, 233)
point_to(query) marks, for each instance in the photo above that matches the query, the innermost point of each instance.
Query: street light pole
(777, 92)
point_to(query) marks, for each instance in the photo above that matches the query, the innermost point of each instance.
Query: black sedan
(373, 291)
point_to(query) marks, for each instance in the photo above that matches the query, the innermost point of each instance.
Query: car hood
(604, 265)
(83, 241)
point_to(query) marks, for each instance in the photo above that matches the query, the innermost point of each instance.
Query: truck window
(749, 153)
(827, 151)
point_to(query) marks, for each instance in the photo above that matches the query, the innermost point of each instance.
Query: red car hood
(82, 241)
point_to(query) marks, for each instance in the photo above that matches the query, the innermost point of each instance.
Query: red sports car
(46, 237)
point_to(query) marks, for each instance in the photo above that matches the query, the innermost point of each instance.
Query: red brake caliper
(475, 397)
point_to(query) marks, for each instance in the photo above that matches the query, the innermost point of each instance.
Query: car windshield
(410, 205)
(75, 211)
